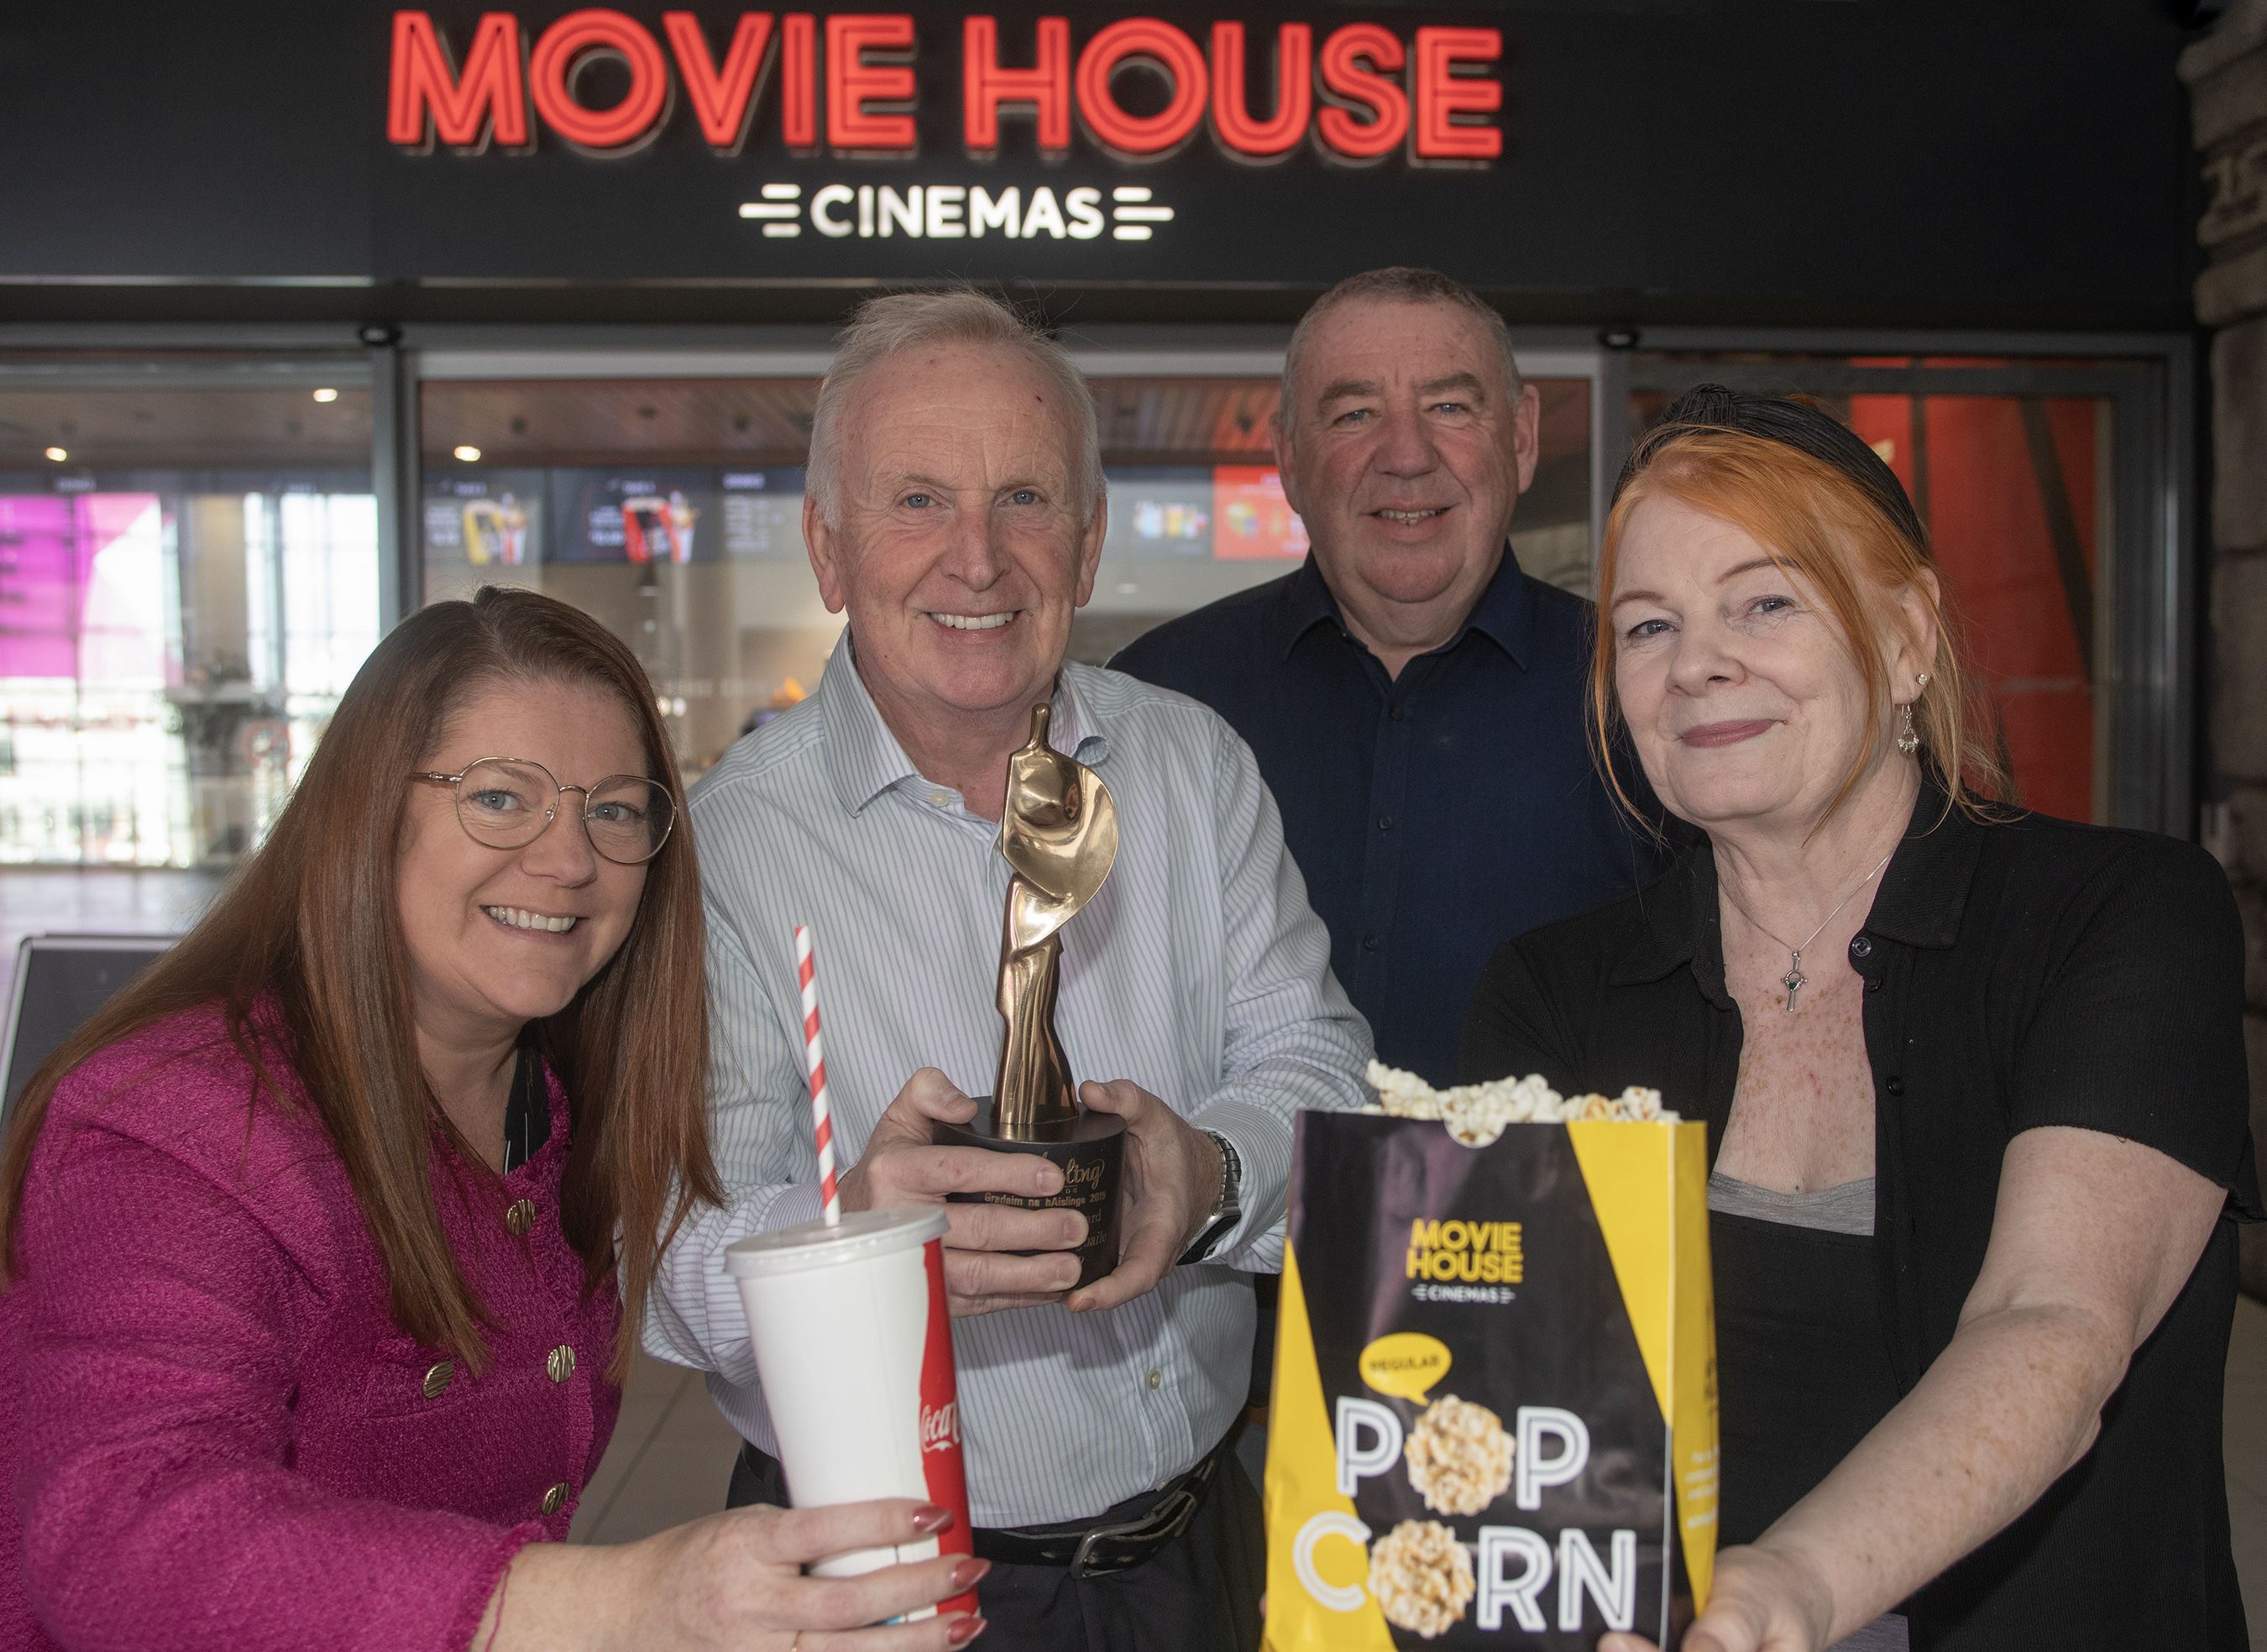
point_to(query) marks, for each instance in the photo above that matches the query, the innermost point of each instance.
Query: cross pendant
(1794, 981)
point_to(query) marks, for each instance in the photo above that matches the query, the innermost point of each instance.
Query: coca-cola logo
(939, 1427)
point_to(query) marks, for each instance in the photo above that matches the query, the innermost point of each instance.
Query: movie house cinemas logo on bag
(1494, 1417)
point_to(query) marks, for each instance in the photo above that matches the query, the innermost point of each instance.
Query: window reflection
(671, 510)
(176, 625)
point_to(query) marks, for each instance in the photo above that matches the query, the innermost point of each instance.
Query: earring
(1908, 741)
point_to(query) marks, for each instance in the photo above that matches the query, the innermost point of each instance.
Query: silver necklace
(1794, 980)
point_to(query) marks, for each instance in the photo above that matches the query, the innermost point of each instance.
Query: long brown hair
(303, 956)
(1815, 520)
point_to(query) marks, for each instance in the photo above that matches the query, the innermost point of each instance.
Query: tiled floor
(671, 1460)
(672, 1455)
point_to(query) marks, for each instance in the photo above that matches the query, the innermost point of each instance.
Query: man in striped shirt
(956, 514)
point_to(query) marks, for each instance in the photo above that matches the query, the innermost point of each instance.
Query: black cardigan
(2022, 973)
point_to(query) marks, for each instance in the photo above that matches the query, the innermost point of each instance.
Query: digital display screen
(507, 518)
(1251, 520)
(661, 514)
(760, 512)
(489, 519)
(1160, 511)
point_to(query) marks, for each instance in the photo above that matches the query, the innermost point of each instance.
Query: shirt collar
(1502, 614)
(864, 758)
(1923, 895)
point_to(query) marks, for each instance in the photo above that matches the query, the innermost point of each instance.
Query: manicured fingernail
(1048, 1179)
(964, 1630)
(968, 1574)
(931, 1517)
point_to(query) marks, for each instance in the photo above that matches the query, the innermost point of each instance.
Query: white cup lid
(857, 1236)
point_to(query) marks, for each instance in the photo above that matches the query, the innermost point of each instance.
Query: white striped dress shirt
(1199, 972)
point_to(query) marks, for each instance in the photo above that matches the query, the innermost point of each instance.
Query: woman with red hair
(1974, 1081)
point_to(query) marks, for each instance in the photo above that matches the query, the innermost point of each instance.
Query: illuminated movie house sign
(845, 84)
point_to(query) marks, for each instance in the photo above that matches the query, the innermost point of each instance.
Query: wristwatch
(1227, 1211)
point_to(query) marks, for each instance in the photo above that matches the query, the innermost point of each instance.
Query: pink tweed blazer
(211, 1433)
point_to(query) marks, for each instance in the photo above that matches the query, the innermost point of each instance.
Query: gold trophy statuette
(1059, 831)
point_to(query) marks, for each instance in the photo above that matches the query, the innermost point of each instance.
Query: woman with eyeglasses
(322, 1245)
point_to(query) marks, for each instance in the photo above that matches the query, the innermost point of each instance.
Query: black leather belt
(1097, 1548)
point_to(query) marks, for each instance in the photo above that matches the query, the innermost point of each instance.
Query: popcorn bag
(1495, 1416)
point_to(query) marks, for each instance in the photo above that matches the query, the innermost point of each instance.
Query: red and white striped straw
(815, 1058)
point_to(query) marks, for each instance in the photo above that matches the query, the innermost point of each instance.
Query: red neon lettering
(425, 97)
(1442, 94)
(561, 51)
(852, 82)
(722, 98)
(1158, 46)
(1346, 73)
(985, 85)
(1295, 89)
(799, 80)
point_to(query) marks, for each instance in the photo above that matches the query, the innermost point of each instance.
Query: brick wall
(2226, 75)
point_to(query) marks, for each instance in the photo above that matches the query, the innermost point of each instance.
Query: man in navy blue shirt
(1415, 701)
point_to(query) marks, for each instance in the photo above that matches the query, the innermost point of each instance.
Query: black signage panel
(1658, 156)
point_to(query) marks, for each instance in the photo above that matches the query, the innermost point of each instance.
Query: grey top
(1848, 1209)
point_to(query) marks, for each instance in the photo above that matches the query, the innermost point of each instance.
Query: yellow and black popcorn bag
(1494, 1415)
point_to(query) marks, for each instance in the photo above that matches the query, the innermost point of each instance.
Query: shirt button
(1370, 943)
(938, 799)
(1873, 984)
(555, 1499)
(520, 1217)
(437, 1380)
(560, 1364)
(1861, 945)
(1385, 822)
(1396, 714)
(1156, 1379)
(1896, 1086)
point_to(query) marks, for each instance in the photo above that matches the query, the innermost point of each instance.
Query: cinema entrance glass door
(2043, 487)
(190, 578)
(664, 494)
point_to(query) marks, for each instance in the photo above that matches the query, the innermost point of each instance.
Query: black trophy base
(1089, 1151)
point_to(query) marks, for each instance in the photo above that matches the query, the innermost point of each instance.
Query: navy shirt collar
(1923, 895)
(1502, 614)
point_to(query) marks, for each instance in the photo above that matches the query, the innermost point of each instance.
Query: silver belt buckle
(1167, 1521)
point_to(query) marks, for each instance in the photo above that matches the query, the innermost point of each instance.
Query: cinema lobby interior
(312, 316)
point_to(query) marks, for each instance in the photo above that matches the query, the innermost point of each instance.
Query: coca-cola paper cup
(854, 1349)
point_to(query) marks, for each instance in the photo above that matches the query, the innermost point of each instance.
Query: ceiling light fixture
(57, 455)
(327, 394)
(468, 453)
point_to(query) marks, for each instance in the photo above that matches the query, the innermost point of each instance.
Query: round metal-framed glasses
(508, 802)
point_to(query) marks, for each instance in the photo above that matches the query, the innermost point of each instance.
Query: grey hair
(1397, 284)
(883, 326)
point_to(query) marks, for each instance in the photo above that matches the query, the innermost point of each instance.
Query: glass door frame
(2147, 739)
(2151, 380)
(2152, 741)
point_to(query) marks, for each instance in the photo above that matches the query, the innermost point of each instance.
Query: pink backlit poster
(82, 588)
